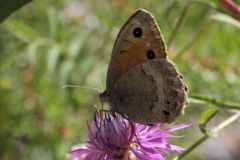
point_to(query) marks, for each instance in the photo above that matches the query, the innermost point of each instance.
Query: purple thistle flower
(114, 137)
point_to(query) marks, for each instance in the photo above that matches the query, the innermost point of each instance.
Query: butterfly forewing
(139, 35)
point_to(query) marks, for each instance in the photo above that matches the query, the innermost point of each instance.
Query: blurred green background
(48, 44)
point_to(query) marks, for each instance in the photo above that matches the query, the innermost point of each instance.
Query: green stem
(186, 152)
(217, 102)
(179, 22)
(227, 122)
(200, 33)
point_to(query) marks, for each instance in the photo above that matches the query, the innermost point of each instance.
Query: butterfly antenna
(72, 86)
(100, 82)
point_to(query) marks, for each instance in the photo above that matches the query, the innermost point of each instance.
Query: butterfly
(142, 83)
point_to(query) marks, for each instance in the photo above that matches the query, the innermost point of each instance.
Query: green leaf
(202, 128)
(65, 71)
(205, 2)
(74, 47)
(32, 53)
(53, 23)
(226, 18)
(53, 56)
(22, 31)
(207, 115)
(9, 6)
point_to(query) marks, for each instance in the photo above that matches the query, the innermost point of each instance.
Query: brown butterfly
(142, 83)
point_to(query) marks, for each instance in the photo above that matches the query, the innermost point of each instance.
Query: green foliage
(205, 117)
(226, 19)
(49, 44)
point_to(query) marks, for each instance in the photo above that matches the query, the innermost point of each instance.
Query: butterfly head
(104, 97)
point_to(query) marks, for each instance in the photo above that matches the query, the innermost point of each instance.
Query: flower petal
(177, 127)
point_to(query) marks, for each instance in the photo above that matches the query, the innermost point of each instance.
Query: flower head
(115, 137)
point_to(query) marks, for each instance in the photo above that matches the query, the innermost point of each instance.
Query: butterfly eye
(150, 54)
(137, 32)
